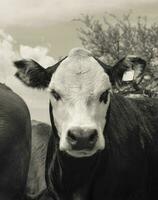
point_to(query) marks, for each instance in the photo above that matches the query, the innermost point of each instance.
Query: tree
(116, 37)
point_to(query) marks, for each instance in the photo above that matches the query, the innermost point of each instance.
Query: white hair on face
(80, 81)
(79, 52)
(79, 64)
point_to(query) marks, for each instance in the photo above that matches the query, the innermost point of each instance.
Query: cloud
(37, 101)
(8, 54)
(44, 12)
(38, 54)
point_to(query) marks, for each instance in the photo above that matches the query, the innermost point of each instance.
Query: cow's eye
(104, 96)
(55, 95)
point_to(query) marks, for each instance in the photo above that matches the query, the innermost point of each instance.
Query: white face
(80, 99)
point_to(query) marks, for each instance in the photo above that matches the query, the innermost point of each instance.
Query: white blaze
(80, 81)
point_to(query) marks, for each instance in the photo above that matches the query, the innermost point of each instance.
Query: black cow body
(15, 139)
(126, 170)
(80, 89)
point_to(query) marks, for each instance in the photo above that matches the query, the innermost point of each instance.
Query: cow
(102, 146)
(36, 175)
(15, 145)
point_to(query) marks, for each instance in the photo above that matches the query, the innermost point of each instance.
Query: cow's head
(79, 87)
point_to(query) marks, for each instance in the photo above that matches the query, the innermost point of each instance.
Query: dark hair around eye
(55, 95)
(104, 96)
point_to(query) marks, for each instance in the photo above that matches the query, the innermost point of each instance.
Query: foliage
(113, 38)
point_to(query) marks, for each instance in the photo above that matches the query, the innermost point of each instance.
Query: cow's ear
(129, 70)
(107, 68)
(32, 74)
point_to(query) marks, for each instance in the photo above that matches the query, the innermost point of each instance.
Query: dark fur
(128, 167)
(125, 170)
(36, 175)
(4, 87)
(116, 72)
(34, 75)
(15, 145)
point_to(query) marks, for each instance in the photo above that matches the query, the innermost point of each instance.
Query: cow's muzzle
(82, 138)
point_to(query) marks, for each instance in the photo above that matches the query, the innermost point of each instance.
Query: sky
(47, 12)
(45, 30)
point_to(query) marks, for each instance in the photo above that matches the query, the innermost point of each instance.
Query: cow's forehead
(80, 71)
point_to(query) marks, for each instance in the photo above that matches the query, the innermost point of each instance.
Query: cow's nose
(82, 138)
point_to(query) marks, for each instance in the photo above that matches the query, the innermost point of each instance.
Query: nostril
(80, 139)
(93, 137)
(71, 137)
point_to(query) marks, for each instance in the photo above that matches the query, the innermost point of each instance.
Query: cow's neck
(78, 168)
(121, 135)
(66, 174)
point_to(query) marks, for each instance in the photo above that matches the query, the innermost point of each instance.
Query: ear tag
(128, 75)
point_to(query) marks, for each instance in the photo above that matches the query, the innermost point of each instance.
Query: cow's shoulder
(148, 108)
(144, 107)
(15, 143)
(146, 104)
(4, 87)
(11, 103)
(14, 113)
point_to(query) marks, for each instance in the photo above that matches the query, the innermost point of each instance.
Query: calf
(102, 145)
